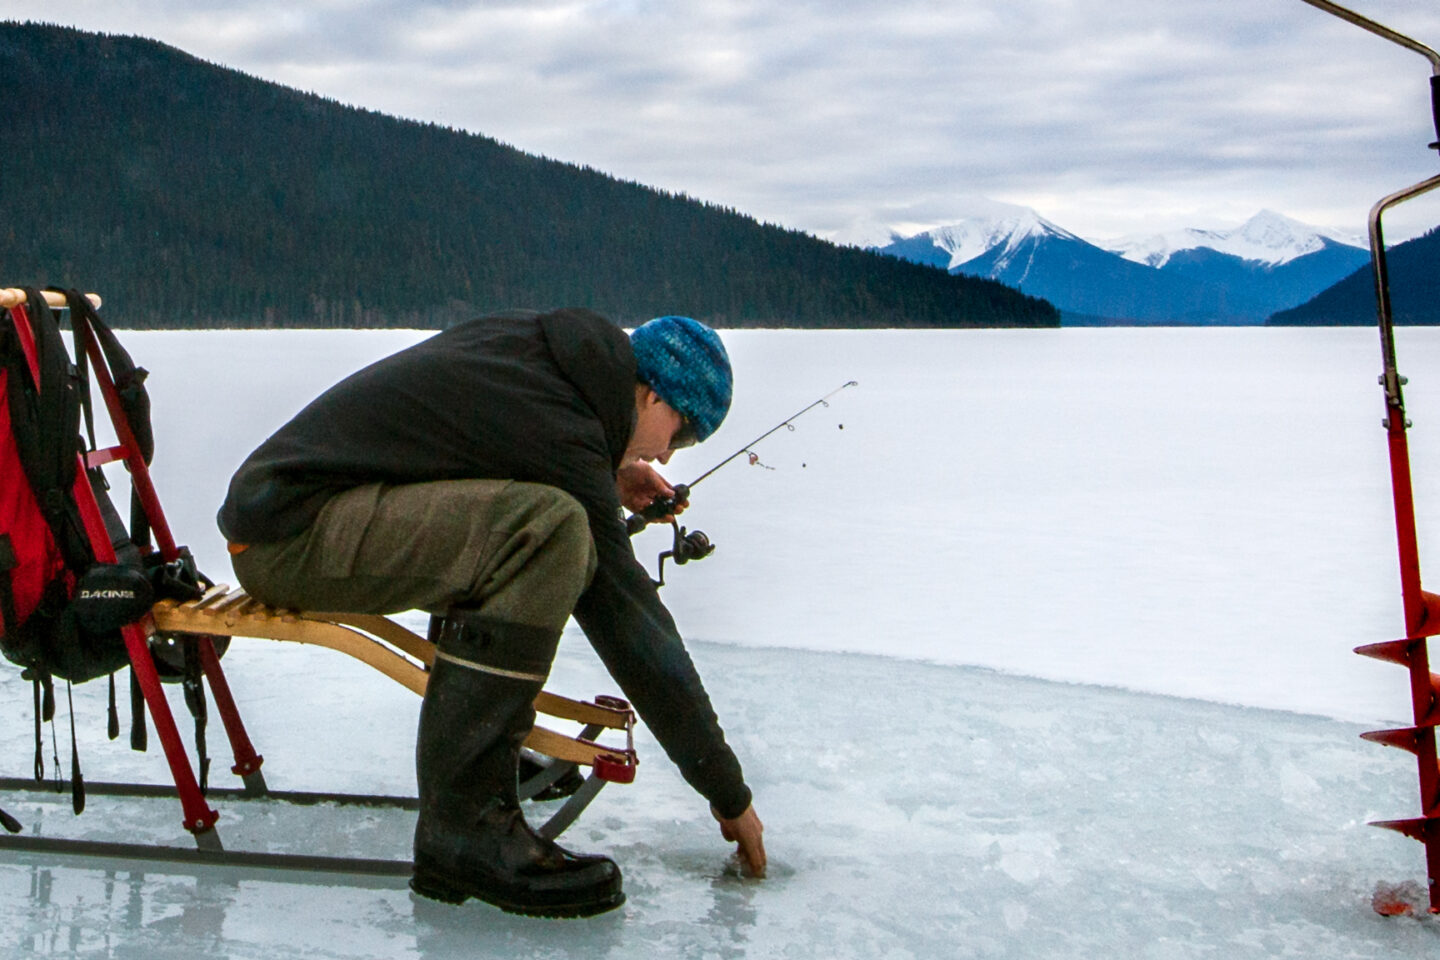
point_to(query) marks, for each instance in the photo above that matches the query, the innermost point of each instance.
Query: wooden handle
(14, 296)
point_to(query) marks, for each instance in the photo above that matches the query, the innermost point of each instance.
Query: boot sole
(434, 889)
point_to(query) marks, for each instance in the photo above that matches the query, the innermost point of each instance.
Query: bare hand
(746, 830)
(639, 484)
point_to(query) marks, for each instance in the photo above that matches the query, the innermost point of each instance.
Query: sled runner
(81, 597)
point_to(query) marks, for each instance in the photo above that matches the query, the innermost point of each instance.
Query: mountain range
(1191, 276)
(188, 194)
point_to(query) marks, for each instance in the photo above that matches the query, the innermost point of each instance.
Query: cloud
(1109, 116)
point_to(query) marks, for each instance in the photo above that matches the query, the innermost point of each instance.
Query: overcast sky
(1110, 117)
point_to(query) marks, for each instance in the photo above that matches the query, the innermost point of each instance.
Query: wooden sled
(405, 657)
(378, 642)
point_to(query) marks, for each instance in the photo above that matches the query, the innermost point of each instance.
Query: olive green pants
(520, 552)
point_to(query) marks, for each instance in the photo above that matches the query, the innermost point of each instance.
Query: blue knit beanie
(684, 362)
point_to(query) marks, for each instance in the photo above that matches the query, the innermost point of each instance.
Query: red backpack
(74, 582)
(61, 609)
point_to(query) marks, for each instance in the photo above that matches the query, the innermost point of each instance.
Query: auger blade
(1392, 651)
(1406, 738)
(1416, 829)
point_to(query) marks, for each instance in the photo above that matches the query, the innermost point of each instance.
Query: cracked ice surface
(947, 812)
(972, 649)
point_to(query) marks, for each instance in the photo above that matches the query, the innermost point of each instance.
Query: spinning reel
(691, 545)
(687, 545)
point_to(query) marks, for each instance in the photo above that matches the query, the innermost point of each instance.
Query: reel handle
(659, 507)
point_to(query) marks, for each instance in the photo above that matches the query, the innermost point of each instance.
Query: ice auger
(1422, 608)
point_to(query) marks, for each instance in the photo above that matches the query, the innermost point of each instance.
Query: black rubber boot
(471, 839)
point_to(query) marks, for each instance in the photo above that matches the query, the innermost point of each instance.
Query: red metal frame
(199, 818)
(1422, 608)
(247, 761)
(134, 460)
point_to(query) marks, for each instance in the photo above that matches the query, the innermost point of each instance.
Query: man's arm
(638, 484)
(636, 638)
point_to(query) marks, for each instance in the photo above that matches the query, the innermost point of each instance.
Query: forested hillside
(1414, 272)
(192, 195)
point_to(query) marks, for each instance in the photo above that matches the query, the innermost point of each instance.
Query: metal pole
(1392, 381)
(1380, 30)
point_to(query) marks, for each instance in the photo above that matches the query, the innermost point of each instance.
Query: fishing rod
(665, 506)
(693, 544)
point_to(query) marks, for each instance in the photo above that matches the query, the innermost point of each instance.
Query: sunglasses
(685, 436)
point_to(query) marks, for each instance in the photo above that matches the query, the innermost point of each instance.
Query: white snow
(1035, 644)
(863, 232)
(1268, 237)
(989, 224)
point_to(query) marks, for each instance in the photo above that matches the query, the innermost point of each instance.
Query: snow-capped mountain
(1189, 276)
(1268, 237)
(992, 224)
(867, 233)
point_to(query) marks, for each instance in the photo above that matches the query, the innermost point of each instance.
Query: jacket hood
(596, 357)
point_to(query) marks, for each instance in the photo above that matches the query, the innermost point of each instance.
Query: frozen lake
(1203, 513)
(946, 632)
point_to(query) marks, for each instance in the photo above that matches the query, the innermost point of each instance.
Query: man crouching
(479, 475)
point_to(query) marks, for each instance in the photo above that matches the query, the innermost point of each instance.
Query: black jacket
(540, 398)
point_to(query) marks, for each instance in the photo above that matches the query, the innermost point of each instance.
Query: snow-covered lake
(1204, 513)
(1158, 547)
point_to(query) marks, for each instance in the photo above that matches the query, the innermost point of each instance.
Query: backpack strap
(139, 738)
(112, 717)
(129, 383)
(129, 379)
(82, 381)
(77, 777)
(39, 729)
(9, 621)
(45, 420)
(194, 691)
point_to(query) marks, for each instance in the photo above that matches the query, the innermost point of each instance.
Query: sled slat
(250, 608)
(215, 593)
(238, 614)
(231, 602)
(261, 625)
(386, 629)
(566, 709)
